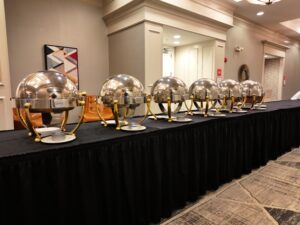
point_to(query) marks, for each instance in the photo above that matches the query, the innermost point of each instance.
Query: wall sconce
(239, 49)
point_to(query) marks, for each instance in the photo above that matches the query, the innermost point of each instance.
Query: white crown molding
(160, 14)
(264, 33)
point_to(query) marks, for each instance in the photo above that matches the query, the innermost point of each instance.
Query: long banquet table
(113, 178)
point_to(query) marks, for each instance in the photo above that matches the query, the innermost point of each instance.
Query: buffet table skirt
(117, 178)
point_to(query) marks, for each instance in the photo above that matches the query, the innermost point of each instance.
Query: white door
(6, 118)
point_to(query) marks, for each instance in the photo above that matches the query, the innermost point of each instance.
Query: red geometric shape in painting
(74, 56)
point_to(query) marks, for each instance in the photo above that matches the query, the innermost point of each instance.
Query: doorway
(272, 81)
(273, 68)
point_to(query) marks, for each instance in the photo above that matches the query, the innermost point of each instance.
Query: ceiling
(274, 14)
(186, 37)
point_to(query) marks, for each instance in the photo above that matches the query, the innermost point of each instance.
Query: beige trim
(148, 12)
(268, 35)
(6, 118)
(203, 9)
(275, 50)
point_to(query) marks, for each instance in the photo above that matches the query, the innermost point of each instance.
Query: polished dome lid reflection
(47, 91)
(203, 88)
(169, 87)
(230, 88)
(124, 89)
(252, 88)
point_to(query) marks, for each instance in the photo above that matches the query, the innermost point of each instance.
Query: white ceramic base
(46, 131)
(161, 117)
(67, 138)
(133, 128)
(113, 122)
(182, 120)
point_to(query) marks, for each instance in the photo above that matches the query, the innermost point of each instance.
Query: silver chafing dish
(204, 91)
(123, 94)
(253, 92)
(47, 92)
(169, 90)
(230, 94)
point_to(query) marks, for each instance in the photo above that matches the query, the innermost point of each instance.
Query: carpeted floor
(269, 195)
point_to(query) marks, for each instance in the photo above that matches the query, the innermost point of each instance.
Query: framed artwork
(64, 60)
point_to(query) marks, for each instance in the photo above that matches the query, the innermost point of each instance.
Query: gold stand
(27, 107)
(169, 110)
(232, 104)
(148, 104)
(253, 101)
(189, 109)
(26, 122)
(99, 114)
(206, 106)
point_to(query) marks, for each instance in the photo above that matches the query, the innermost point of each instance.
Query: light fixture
(177, 36)
(260, 13)
(298, 30)
(176, 42)
(263, 2)
(237, 0)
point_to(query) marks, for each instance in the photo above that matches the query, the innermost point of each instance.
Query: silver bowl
(203, 88)
(231, 94)
(125, 91)
(253, 91)
(231, 88)
(47, 91)
(169, 87)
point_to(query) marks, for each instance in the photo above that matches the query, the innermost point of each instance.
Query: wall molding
(170, 16)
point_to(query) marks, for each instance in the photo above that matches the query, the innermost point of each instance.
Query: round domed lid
(169, 87)
(251, 88)
(46, 91)
(124, 88)
(45, 85)
(230, 88)
(203, 88)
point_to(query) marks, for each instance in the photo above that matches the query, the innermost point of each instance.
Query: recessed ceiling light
(260, 13)
(298, 30)
(237, 0)
(177, 36)
(176, 42)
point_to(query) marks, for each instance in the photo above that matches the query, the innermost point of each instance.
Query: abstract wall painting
(64, 60)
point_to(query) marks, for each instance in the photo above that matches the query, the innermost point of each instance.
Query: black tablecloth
(110, 177)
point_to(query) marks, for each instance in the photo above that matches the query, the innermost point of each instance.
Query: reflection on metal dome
(47, 92)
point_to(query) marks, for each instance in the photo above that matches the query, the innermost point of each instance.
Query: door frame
(278, 51)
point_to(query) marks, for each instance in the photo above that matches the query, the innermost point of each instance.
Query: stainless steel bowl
(47, 91)
(203, 88)
(251, 88)
(253, 91)
(169, 87)
(230, 88)
(124, 90)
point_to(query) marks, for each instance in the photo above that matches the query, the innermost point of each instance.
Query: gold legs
(29, 124)
(99, 114)
(64, 122)
(206, 106)
(169, 110)
(116, 115)
(148, 104)
(231, 104)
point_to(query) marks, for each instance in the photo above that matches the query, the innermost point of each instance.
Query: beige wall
(252, 54)
(127, 52)
(74, 23)
(251, 39)
(292, 62)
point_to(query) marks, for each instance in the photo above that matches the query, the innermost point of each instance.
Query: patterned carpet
(269, 195)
